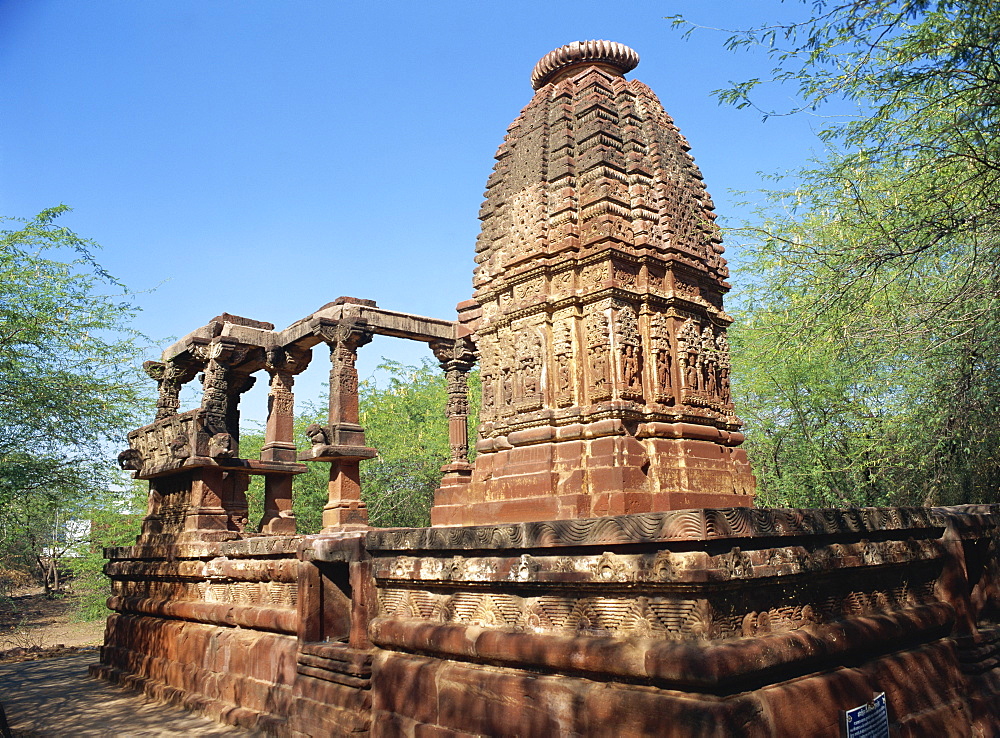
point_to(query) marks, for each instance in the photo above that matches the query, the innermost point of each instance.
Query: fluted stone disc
(615, 55)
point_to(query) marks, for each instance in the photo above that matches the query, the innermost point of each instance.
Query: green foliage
(67, 373)
(404, 417)
(406, 421)
(866, 349)
(115, 520)
(68, 385)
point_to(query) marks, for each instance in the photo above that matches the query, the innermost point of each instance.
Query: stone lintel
(338, 453)
(304, 333)
(245, 466)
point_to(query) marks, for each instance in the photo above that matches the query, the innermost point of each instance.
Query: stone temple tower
(597, 312)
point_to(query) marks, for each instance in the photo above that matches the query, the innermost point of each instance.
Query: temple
(598, 311)
(598, 569)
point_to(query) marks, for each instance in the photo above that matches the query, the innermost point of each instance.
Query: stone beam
(306, 333)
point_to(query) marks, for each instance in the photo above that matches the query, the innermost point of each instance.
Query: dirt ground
(31, 621)
(46, 692)
(55, 698)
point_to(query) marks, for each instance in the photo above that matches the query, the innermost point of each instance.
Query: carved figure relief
(685, 288)
(704, 358)
(318, 435)
(709, 380)
(597, 355)
(130, 460)
(562, 349)
(180, 446)
(504, 363)
(528, 378)
(689, 354)
(507, 386)
(663, 358)
(630, 352)
(655, 280)
(725, 394)
(487, 352)
(626, 277)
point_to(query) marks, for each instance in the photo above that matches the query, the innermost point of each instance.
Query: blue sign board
(868, 721)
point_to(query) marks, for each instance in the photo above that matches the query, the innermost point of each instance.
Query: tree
(115, 519)
(866, 346)
(68, 382)
(406, 421)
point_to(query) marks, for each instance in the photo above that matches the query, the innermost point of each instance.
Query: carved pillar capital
(169, 376)
(351, 334)
(286, 359)
(282, 364)
(458, 353)
(457, 358)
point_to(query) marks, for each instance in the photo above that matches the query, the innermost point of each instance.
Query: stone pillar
(225, 380)
(457, 359)
(344, 340)
(279, 437)
(217, 496)
(218, 441)
(342, 441)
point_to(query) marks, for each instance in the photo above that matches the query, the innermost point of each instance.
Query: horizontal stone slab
(675, 525)
(730, 666)
(278, 620)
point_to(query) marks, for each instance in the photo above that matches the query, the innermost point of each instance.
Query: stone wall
(693, 622)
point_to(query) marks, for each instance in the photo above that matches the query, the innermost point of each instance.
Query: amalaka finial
(608, 54)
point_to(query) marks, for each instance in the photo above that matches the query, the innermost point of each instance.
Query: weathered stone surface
(714, 622)
(598, 305)
(617, 580)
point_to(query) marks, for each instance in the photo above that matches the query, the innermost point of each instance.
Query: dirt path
(29, 619)
(53, 698)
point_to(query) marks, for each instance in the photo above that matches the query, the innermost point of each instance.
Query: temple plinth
(598, 312)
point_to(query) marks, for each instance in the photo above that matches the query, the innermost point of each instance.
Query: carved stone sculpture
(598, 311)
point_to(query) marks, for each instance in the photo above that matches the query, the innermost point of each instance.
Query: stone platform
(721, 622)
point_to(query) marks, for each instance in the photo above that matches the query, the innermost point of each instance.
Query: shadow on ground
(55, 697)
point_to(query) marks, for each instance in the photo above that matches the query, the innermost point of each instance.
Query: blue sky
(263, 157)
